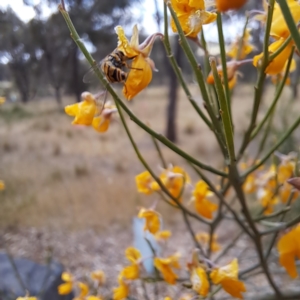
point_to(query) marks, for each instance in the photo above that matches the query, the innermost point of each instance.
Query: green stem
(179, 73)
(224, 64)
(290, 22)
(258, 89)
(162, 159)
(225, 113)
(277, 96)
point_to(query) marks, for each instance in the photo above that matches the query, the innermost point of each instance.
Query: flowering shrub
(220, 193)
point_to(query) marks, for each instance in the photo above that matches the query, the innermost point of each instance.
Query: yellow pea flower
(140, 74)
(143, 182)
(285, 170)
(166, 266)
(192, 15)
(232, 67)
(224, 5)
(203, 238)
(152, 219)
(84, 290)
(227, 276)
(2, 185)
(133, 271)
(162, 235)
(122, 291)
(267, 200)
(289, 249)
(2, 100)
(27, 298)
(279, 28)
(98, 276)
(275, 66)
(91, 297)
(83, 111)
(173, 178)
(202, 205)
(279, 77)
(101, 122)
(200, 281)
(67, 287)
(285, 192)
(246, 47)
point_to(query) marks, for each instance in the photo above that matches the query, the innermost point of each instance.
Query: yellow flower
(84, 290)
(91, 297)
(140, 74)
(279, 28)
(267, 200)
(199, 281)
(152, 220)
(276, 79)
(285, 192)
(173, 179)
(143, 182)
(133, 271)
(246, 47)
(98, 276)
(275, 66)
(83, 111)
(203, 238)
(191, 15)
(166, 265)
(2, 185)
(2, 100)
(101, 121)
(289, 248)
(224, 5)
(227, 276)
(285, 170)
(162, 235)
(122, 291)
(27, 298)
(66, 288)
(232, 67)
(202, 205)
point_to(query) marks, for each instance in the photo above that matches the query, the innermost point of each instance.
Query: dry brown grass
(61, 176)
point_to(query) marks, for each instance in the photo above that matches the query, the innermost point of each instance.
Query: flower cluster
(270, 185)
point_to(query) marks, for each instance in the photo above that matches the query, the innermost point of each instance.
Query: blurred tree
(16, 47)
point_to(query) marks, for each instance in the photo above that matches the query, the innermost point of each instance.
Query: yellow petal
(199, 281)
(143, 182)
(138, 78)
(152, 220)
(131, 272)
(123, 43)
(101, 124)
(99, 276)
(65, 288)
(132, 254)
(276, 66)
(65, 276)
(84, 289)
(121, 292)
(162, 235)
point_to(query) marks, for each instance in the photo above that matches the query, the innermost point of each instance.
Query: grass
(59, 175)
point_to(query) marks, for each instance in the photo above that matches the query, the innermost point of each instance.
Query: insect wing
(100, 102)
(90, 76)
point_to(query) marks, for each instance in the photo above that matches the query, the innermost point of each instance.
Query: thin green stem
(162, 159)
(224, 64)
(225, 113)
(178, 72)
(276, 98)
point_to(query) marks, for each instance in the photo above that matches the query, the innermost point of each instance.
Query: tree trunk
(171, 131)
(58, 96)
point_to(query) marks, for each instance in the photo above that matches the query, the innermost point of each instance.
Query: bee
(112, 67)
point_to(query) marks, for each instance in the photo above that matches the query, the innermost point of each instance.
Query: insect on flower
(112, 67)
